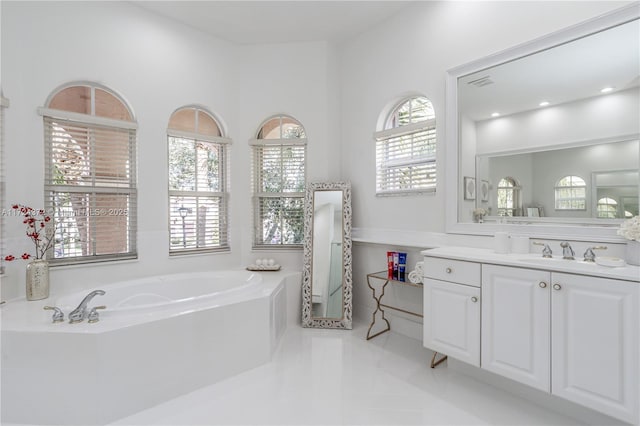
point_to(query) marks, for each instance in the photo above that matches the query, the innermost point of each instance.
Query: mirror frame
(307, 271)
(565, 229)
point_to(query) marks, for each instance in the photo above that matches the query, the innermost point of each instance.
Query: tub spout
(80, 313)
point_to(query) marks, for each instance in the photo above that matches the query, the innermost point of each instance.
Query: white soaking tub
(158, 338)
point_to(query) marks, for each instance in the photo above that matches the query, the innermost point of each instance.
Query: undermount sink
(557, 261)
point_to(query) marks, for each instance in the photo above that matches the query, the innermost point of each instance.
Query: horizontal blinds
(406, 162)
(198, 196)
(279, 182)
(90, 190)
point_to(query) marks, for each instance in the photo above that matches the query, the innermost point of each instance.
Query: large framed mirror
(549, 132)
(326, 275)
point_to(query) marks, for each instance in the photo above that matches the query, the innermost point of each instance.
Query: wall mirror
(327, 276)
(549, 132)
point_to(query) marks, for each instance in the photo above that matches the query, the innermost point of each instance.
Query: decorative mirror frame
(307, 319)
(568, 229)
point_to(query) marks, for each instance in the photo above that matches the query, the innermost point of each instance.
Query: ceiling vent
(482, 81)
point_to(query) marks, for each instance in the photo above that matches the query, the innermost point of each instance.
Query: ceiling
(257, 22)
(566, 73)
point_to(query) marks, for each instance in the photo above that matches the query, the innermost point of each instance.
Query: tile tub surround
(86, 374)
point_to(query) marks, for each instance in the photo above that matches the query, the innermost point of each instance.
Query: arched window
(508, 197)
(571, 193)
(279, 171)
(198, 184)
(90, 173)
(406, 149)
(607, 208)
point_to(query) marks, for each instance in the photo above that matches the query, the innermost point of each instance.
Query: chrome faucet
(546, 251)
(567, 251)
(80, 313)
(590, 256)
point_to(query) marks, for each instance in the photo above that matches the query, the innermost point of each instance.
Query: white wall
(157, 65)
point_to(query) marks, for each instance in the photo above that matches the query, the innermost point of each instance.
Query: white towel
(415, 277)
(420, 268)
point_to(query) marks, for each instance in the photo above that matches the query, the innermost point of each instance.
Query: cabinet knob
(542, 284)
(557, 287)
(474, 299)
(449, 270)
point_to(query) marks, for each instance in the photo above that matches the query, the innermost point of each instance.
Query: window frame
(221, 143)
(390, 138)
(571, 199)
(258, 143)
(93, 124)
(514, 188)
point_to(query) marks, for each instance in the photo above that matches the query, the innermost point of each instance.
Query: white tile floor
(335, 377)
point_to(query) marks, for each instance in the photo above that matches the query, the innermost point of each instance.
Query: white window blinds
(198, 195)
(406, 150)
(90, 189)
(279, 169)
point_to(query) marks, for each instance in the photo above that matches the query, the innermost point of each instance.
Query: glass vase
(632, 253)
(37, 282)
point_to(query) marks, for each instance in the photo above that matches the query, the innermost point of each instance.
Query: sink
(558, 261)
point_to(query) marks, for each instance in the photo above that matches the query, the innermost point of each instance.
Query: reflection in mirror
(531, 127)
(326, 293)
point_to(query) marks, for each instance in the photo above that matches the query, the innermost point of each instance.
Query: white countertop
(535, 261)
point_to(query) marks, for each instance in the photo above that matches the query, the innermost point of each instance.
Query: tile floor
(335, 377)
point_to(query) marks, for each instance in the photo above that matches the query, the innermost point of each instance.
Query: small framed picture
(469, 188)
(484, 190)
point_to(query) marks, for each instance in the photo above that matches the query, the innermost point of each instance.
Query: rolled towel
(420, 267)
(414, 277)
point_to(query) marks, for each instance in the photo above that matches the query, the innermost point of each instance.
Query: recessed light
(495, 114)
(544, 103)
(606, 90)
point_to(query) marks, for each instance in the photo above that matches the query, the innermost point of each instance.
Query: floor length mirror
(326, 281)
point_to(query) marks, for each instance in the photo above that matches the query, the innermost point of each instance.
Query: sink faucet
(546, 251)
(80, 313)
(590, 256)
(567, 251)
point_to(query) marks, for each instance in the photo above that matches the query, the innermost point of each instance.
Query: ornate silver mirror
(326, 275)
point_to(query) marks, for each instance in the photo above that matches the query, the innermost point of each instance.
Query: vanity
(566, 327)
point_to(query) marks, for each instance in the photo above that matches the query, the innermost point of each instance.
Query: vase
(632, 253)
(37, 283)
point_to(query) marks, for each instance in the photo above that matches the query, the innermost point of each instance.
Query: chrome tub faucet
(80, 313)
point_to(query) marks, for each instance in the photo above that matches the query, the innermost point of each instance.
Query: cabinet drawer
(456, 271)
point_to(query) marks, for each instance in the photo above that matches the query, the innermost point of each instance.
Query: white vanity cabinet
(452, 309)
(594, 343)
(572, 335)
(516, 324)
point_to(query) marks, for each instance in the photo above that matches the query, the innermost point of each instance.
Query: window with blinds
(406, 149)
(198, 184)
(571, 193)
(4, 103)
(279, 174)
(90, 175)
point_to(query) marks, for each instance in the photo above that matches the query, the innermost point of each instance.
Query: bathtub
(158, 338)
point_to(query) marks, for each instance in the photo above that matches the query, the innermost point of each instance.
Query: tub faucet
(80, 313)
(567, 251)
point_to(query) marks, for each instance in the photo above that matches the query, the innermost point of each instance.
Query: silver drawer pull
(542, 284)
(557, 287)
(448, 270)
(474, 299)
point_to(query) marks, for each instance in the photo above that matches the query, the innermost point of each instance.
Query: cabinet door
(452, 320)
(595, 343)
(516, 324)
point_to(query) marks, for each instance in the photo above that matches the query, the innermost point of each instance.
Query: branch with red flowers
(39, 229)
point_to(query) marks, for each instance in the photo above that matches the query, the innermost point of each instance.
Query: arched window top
(194, 119)
(409, 111)
(608, 201)
(571, 181)
(281, 127)
(90, 99)
(507, 182)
